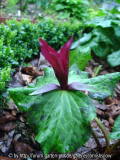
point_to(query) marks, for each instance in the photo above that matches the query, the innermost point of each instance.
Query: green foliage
(31, 1)
(56, 34)
(6, 54)
(103, 37)
(71, 8)
(118, 1)
(22, 38)
(10, 6)
(4, 78)
(68, 118)
(115, 134)
(114, 59)
(80, 55)
(25, 42)
(13, 2)
(43, 3)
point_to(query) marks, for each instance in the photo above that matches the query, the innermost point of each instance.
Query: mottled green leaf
(74, 70)
(105, 85)
(114, 59)
(115, 134)
(61, 120)
(21, 95)
(80, 55)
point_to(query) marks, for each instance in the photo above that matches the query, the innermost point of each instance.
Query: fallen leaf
(6, 158)
(103, 72)
(116, 111)
(17, 136)
(99, 112)
(22, 148)
(11, 105)
(82, 150)
(13, 113)
(22, 119)
(27, 78)
(108, 100)
(34, 62)
(115, 101)
(8, 126)
(6, 118)
(32, 72)
(42, 61)
(111, 121)
(17, 80)
(99, 105)
(5, 144)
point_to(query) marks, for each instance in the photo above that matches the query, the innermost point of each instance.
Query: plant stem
(97, 141)
(115, 146)
(97, 70)
(79, 38)
(104, 132)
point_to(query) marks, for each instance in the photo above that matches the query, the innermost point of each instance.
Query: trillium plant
(58, 110)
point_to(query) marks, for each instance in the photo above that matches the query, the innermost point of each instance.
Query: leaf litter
(17, 137)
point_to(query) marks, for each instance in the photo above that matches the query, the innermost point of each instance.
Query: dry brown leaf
(6, 142)
(8, 126)
(99, 112)
(6, 158)
(99, 105)
(22, 119)
(108, 100)
(115, 101)
(13, 113)
(17, 80)
(34, 62)
(22, 148)
(27, 78)
(31, 71)
(11, 105)
(7, 118)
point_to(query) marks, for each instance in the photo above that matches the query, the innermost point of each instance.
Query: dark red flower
(59, 61)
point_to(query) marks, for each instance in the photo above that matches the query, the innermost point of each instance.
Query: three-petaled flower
(59, 61)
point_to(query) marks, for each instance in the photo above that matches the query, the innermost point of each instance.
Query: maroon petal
(59, 61)
(64, 56)
(59, 70)
(64, 52)
(46, 49)
(81, 87)
(46, 88)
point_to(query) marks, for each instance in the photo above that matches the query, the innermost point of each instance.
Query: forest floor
(15, 134)
(17, 137)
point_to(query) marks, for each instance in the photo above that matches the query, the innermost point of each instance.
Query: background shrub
(71, 8)
(23, 37)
